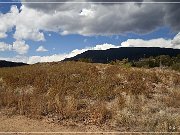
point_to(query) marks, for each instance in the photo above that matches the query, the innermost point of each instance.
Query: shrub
(124, 63)
(88, 60)
(176, 66)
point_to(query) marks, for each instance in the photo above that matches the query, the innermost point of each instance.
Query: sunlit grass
(134, 98)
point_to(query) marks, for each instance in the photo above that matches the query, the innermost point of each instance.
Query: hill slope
(132, 53)
(4, 63)
(77, 93)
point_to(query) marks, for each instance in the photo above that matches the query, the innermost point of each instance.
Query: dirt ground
(22, 125)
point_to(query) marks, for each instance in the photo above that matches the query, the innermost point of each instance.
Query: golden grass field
(78, 94)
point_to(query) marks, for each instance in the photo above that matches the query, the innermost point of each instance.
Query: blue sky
(58, 42)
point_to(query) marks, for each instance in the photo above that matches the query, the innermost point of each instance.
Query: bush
(88, 60)
(176, 66)
(123, 63)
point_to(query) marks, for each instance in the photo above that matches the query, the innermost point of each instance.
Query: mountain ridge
(4, 63)
(132, 53)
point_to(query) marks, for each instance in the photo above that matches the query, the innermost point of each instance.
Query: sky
(34, 31)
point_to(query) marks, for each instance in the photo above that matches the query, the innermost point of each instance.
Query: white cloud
(26, 22)
(87, 12)
(93, 19)
(8, 21)
(18, 46)
(5, 47)
(18, 58)
(41, 49)
(104, 47)
(84, 19)
(55, 57)
(159, 42)
(28, 25)
(176, 41)
(26, 33)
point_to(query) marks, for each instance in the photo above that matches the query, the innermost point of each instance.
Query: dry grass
(130, 99)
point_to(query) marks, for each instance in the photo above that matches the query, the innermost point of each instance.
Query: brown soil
(22, 125)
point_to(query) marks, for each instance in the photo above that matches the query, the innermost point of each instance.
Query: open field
(100, 96)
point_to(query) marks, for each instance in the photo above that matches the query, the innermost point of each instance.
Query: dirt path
(23, 124)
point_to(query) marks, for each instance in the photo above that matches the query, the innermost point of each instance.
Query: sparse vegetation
(125, 99)
(159, 61)
(124, 63)
(164, 61)
(85, 60)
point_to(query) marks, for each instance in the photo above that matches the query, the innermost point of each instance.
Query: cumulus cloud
(18, 46)
(26, 33)
(5, 47)
(8, 21)
(107, 19)
(176, 40)
(22, 21)
(41, 49)
(159, 42)
(51, 58)
(104, 47)
(88, 19)
(28, 25)
(18, 58)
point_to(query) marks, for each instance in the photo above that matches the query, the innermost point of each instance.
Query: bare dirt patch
(23, 125)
